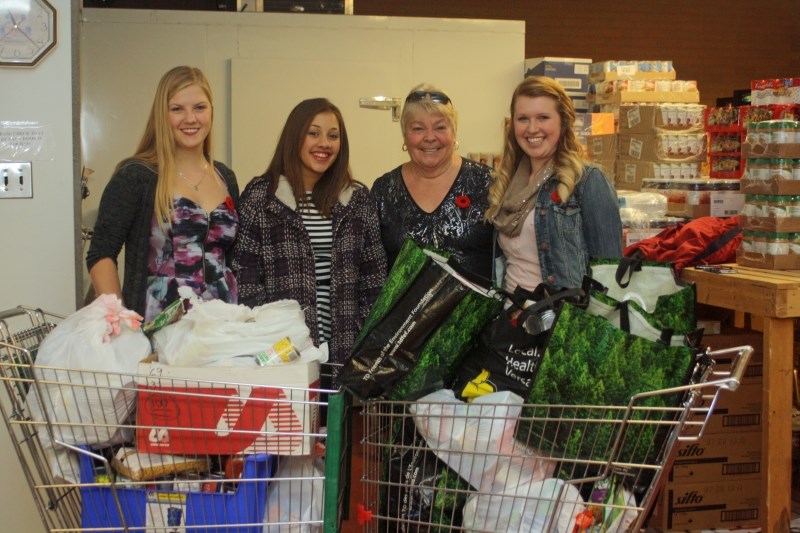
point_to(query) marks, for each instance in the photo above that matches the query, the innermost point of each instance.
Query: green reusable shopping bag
(428, 314)
(590, 362)
(644, 298)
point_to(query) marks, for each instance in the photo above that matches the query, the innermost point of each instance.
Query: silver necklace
(195, 185)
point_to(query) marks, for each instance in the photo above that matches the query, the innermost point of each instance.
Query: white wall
(38, 234)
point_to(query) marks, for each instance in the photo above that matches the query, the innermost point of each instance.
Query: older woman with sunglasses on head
(437, 198)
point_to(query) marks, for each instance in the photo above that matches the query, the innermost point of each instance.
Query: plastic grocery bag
(82, 369)
(295, 496)
(530, 507)
(85, 379)
(215, 332)
(477, 439)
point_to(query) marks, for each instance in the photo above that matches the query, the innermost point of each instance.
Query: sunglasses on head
(433, 96)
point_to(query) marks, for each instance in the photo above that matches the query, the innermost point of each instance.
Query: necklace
(195, 185)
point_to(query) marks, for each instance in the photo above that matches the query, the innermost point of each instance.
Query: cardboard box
(594, 124)
(602, 147)
(735, 337)
(210, 410)
(726, 203)
(774, 186)
(766, 261)
(608, 166)
(631, 69)
(661, 118)
(718, 457)
(770, 224)
(682, 147)
(735, 412)
(789, 150)
(634, 235)
(655, 176)
(687, 210)
(696, 506)
(572, 73)
(627, 97)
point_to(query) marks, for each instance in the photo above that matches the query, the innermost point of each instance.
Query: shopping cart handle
(738, 365)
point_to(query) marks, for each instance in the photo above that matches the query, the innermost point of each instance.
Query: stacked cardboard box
(572, 73)
(770, 216)
(658, 141)
(715, 481)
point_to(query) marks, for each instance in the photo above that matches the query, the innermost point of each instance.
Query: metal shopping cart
(445, 466)
(172, 449)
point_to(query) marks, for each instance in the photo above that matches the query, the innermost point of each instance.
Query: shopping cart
(445, 466)
(168, 450)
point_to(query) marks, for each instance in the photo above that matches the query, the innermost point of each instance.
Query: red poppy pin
(463, 201)
(229, 203)
(556, 198)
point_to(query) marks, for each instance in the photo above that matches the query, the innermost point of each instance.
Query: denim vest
(569, 234)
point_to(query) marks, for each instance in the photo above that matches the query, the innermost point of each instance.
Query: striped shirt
(320, 232)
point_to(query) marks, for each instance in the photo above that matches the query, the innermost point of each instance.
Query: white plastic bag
(477, 439)
(213, 332)
(85, 379)
(525, 508)
(82, 367)
(296, 500)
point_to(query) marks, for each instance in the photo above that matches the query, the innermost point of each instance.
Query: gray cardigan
(125, 217)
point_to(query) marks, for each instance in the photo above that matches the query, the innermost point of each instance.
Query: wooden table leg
(777, 434)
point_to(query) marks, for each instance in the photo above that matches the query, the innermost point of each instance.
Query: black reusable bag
(508, 352)
(428, 314)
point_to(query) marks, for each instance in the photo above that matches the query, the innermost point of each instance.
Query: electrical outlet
(16, 180)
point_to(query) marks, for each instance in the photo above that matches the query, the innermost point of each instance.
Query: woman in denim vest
(554, 212)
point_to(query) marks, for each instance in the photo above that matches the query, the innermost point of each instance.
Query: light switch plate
(16, 179)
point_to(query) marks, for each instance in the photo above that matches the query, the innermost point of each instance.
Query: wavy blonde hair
(426, 105)
(569, 158)
(157, 145)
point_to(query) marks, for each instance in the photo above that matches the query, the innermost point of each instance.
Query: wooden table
(775, 296)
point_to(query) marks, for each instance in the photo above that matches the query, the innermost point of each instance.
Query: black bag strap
(627, 266)
(625, 324)
(717, 244)
(530, 314)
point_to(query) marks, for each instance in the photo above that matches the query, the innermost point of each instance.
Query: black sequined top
(456, 226)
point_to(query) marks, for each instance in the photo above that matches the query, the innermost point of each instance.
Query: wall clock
(27, 31)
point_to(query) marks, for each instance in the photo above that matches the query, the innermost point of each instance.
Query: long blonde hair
(568, 160)
(157, 145)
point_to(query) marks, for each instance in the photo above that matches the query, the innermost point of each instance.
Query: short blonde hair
(429, 106)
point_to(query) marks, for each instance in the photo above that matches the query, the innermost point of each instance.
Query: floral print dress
(191, 253)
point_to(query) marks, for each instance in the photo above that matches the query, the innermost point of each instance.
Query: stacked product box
(589, 124)
(653, 141)
(776, 91)
(699, 197)
(770, 216)
(715, 481)
(615, 83)
(725, 138)
(572, 73)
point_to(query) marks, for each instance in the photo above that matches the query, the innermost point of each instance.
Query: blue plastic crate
(197, 512)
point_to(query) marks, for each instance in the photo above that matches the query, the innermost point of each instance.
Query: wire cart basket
(448, 466)
(164, 450)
